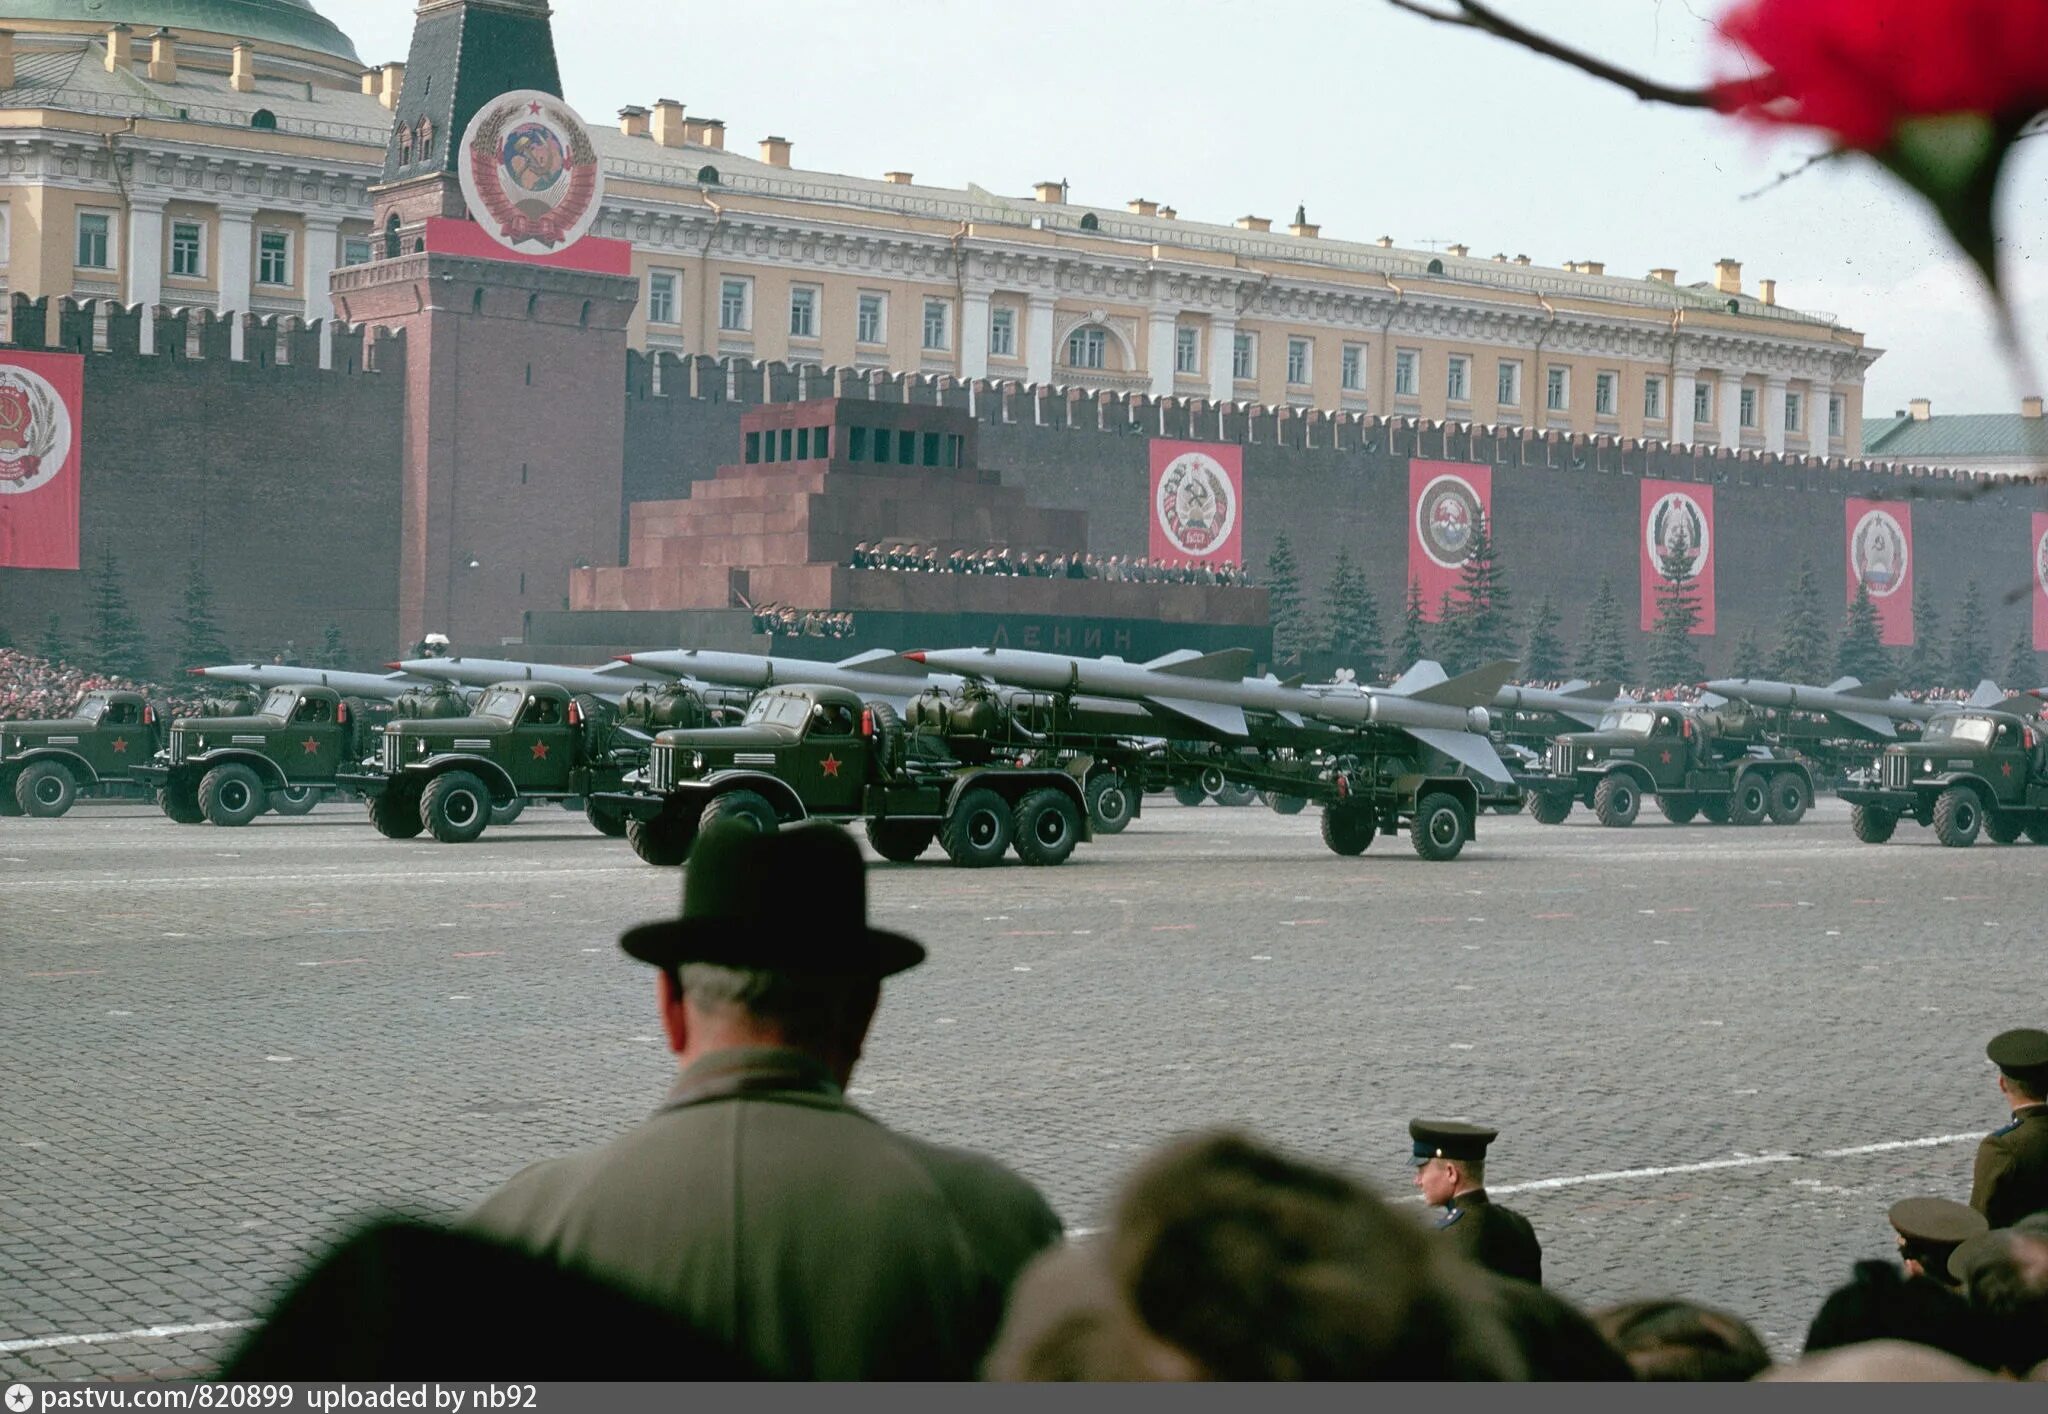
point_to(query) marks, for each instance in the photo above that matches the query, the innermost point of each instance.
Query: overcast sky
(1382, 123)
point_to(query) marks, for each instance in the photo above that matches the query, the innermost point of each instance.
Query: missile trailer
(1693, 761)
(45, 766)
(1973, 772)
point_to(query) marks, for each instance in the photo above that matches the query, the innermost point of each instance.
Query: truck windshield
(91, 710)
(279, 702)
(1974, 731)
(778, 711)
(1634, 722)
(500, 703)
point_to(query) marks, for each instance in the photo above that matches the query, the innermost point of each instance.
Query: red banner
(1678, 517)
(1197, 501)
(2040, 558)
(449, 236)
(1880, 554)
(42, 421)
(1446, 502)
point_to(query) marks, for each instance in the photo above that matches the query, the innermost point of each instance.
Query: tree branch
(1783, 177)
(1474, 14)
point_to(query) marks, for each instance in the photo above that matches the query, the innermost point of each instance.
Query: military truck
(283, 756)
(1979, 771)
(1694, 761)
(45, 766)
(821, 753)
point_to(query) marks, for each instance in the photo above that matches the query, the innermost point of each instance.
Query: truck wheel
(45, 790)
(294, 800)
(1549, 809)
(1109, 802)
(1789, 798)
(1439, 829)
(888, 737)
(663, 841)
(231, 794)
(740, 807)
(455, 807)
(607, 820)
(1872, 825)
(180, 804)
(977, 832)
(1236, 795)
(1285, 804)
(1958, 817)
(1348, 829)
(1750, 802)
(1048, 826)
(1189, 794)
(1616, 801)
(1714, 812)
(901, 841)
(508, 812)
(2000, 827)
(2036, 830)
(396, 814)
(1678, 809)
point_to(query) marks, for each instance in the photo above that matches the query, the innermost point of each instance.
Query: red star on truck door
(311, 745)
(1667, 757)
(120, 746)
(2007, 768)
(540, 751)
(831, 765)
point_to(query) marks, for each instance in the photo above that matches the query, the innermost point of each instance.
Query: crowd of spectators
(1001, 560)
(788, 621)
(33, 688)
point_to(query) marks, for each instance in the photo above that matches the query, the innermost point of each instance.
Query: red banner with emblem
(1197, 501)
(1446, 503)
(42, 402)
(2039, 543)
(1880, 555)
(1678, 518)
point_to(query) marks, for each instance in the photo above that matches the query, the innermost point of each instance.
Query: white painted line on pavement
(52, 1342)
(1543, 1185)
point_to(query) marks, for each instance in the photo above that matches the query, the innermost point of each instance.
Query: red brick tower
(514, 320)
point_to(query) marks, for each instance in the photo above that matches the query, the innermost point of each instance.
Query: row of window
(274, 263)
(880, 445)
(871, 314)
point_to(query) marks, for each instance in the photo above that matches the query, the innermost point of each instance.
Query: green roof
(293, 22)
(1984, 434)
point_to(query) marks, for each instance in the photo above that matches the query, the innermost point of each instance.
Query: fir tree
(2023, 668)
(1969, 655)
(1352, 630)
(112, 635)
(1673, 657)
(1862, 652)
(1483, 624)
(1802, 632)
(1603, 649)
(1453, 635)
(1283, 596)
(52, 645)
(1749, 655)
(1543, 656)
(333, 652)
(198, 643)
(1923, 667)
(6, 638)
(1414, 644)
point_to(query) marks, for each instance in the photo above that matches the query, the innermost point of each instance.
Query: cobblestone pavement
(223, 1046)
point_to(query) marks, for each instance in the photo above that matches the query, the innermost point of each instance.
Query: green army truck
(46, 766)
(1693, 761)
(284, 756)
(821, 753)
(1975, 772)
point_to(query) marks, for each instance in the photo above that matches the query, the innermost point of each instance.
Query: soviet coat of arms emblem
(1447, 514)
(530, 172)
(35, 431)
(1195, 505)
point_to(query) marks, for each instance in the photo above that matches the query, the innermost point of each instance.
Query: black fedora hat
(789, 901)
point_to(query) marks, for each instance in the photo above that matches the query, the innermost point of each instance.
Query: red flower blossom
(1858, 68)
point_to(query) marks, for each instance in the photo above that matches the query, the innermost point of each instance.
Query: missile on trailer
(382, 686)
(1578, 700)
(1872, 708)
(610, 682)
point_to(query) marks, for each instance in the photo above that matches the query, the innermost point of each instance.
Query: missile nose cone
(196, 672)
(622, 658)
(396, 667)
(917, 657)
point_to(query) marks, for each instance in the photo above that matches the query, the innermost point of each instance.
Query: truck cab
(1975, 771)
(46, 765)
(228, 770)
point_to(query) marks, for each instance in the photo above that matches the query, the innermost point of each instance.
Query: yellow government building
(227, 163)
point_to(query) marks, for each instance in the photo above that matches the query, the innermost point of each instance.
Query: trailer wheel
(1439, 829)
(1236, 795)
(294, 800)
(1958, 816)
(455, 807)
(231, 795)
(2036, 830)
(1616, 801)
(2000, 827)
(1348, 829)
(1189, 794)
(901, 841)
(45, 790)
(740, 807)
(1678, 809)
(977, 832)
(1109, 802)
(508, 812)
(1872, 825)
(180, 804)
(1548, 809)
(1048, 826)
(1714, 812)
(1750, 802)
(607, 820)
(1789, 798)
(663, 841)
(1285, 804)
(396, 814)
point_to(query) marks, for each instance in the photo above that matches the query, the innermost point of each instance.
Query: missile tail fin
(1879, 727)
(1845, 684)
(1988, 694)
(1589, 718)
(1167, 660)
(1218, 717)
(1878, 689)
(1477, 688)
(1423, 672)
(1227, 665)
(1468, 749)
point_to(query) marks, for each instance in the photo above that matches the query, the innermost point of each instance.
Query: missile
(1211, 691)
(378, 685)
(1577, 701)
(1872, 708)
(610, 682)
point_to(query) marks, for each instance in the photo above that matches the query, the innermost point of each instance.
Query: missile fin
(1217, 716)
(888, 665)
(1879, 689)
(1477, 688)
(1293, 719)
(1228, 665)
(1468, 749)
(1845, 684)
(1712, 699)
(1988, 694)
(1294, 682)
(1424, 672)
(1167, 660)
(1880, 727)
(1589, 718)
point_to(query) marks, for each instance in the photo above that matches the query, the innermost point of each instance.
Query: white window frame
(1653, 399)
(1606, 393)
(1838, 411)
(943, 325)
(1507, 383)
(1557, 388)
(1244, 357)
(1088, 347)
(1187, 349)
(806, 300)
(669, 284)
(1702, 403)
(1458, 379)
(1300, 362)
(1794, 407)
(264, 233)
(198, 229)
(109, 237)
(736, 316)
(875, 303)
(1745, 408)
(1407, 373)
(1002, 332)
(1351, 368)
(368, 245)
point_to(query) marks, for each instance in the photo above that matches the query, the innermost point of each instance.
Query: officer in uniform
(1930, 1230)
(2012, 1163)
(1450, 1171)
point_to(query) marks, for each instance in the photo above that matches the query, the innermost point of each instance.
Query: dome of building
(293, 22)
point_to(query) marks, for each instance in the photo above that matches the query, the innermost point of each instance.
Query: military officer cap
(787, 901)
(1449, 1139)
(2022, 1054)
(1971, 1254)
(1936, 1222)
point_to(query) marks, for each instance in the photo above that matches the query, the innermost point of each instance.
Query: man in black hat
(2012, 1163)
(757, 1204)
(1450, 1172)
